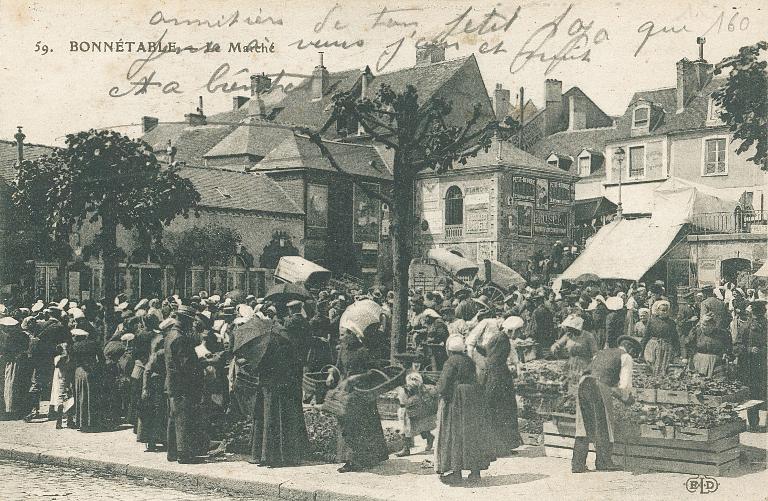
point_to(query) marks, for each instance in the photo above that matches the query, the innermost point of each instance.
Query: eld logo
(702, 484)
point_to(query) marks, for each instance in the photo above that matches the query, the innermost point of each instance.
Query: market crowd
(179, 371)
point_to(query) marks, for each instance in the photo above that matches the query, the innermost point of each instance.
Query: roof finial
(19, 136)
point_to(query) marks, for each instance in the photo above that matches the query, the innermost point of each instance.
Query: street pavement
(530, 473)
(27, 481)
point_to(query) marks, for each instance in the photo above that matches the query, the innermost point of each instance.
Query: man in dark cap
(184, 381)
(466, 309)
(714, 307)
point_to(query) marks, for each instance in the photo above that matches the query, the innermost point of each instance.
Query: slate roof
(588, 209)
(299, 108)
(9, 155)
(246, 191)
(571, 143)
(300, 153)
(694, 116)
(507, 154)
(249, 139)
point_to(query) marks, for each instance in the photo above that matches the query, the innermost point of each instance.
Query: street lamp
(618, 156)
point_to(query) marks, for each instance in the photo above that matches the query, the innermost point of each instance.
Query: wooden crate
(709, 434)
(657, 431)
(678, 397)
(716, 400)
(647, 395)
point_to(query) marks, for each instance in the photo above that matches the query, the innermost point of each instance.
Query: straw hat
(574, 322)
(512, 323)
(614, 303)
(429, 312)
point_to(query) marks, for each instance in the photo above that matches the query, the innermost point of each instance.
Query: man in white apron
(610, 373)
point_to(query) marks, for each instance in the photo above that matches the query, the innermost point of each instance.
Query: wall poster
(542, 194)
(550, 223)
(365, 214)
(524, 188)
(525, 220)
(317, 206)
(476, 209)
(559, 193)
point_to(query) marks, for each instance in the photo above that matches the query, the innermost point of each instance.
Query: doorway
(730, 268)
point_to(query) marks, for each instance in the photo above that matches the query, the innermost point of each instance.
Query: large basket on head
(315, 382)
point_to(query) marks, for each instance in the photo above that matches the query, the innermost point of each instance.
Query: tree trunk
(63, 264)
(402, 234)
(109, 255)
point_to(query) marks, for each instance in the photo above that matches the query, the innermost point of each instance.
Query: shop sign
(524, 188)
(559, 193)
(550, 223)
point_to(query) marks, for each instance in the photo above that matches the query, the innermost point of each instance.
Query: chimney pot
(260, 84)
(430, 53)
(553, 111)
(320, 80)
(501, 102)
(148, 123)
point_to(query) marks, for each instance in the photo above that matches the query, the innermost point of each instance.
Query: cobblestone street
(24, 481)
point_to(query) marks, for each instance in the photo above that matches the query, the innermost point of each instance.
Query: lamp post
(618, 156)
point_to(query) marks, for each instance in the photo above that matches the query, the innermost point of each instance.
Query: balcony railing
(728, 222)
(454, 230)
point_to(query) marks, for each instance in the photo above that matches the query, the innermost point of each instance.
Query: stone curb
(251, 487)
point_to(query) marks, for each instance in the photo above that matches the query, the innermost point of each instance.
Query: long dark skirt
(502, 409)
(89, 399)
(152, 427)
(135, 400)
(16, 383)
(361, 439)
(464, 441)
(113, 395)
(279, 434)
(185, 434)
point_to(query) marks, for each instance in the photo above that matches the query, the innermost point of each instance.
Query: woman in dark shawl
(89, 390)
(153, 410)
(361, 442)
(500, 395)
(278, 436)
(113, 352)
(16, 370)
(463, 440)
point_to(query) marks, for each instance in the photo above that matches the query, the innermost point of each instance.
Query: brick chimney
(260, 84)
(320, 80)
(148, 123)
(19, 136)
(692, 76)
(430, 53)
(577, 115)
(239, 101)
(553, 110)
(501, 102)
(197, 118)
(364, 81)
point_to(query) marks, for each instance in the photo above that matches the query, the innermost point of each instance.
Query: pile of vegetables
(689, 416)
(533, 425)
(567, 405)
(684, 381)
(543, 375)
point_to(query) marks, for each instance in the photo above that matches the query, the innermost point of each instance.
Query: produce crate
(709, 434)
(716, 400)
(713, 457)
(657, 431)
(647, 395)
(559, 433)
(678, 397)
(388, 407)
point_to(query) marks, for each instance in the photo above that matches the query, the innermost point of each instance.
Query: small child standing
(416, 415)
(60, 389)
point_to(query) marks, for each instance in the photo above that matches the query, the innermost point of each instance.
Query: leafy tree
(43, 198)
(743, 100)
(104, 178)
(422, 139)
(206, 246)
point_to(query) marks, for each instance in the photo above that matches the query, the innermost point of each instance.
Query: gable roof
(246, 191)
(9, 156)
(573, 142)
(249, 139)
(300, 153)
(298, 107)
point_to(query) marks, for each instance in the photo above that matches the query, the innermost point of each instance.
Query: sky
(609, 49)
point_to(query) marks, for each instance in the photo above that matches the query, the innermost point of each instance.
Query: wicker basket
(314, 381)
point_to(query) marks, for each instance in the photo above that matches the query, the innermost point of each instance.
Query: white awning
(624, 249)
(763, 271)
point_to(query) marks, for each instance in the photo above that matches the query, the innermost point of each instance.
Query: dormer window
(588, 162)
(641, 117)
(561, 162)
